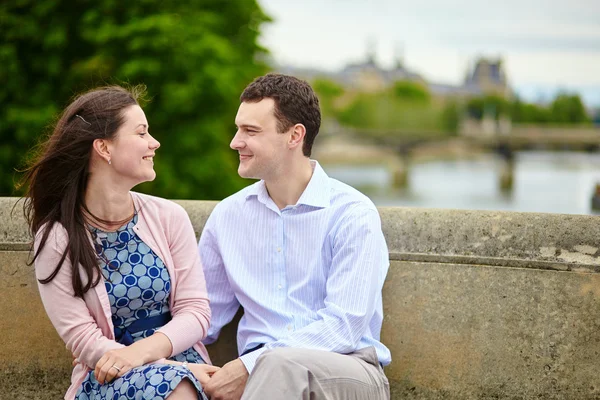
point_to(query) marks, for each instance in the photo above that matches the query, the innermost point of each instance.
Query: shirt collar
(316, 194)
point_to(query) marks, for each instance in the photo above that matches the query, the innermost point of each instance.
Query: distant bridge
(395, 148)
(518, 138)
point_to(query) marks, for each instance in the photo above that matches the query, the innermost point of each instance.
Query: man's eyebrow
(249, 126)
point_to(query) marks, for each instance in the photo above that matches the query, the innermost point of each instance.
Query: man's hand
(229, 382)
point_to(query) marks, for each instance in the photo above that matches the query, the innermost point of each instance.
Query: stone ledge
(547, 241)
(477, 304)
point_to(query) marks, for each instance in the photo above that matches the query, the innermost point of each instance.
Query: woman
(119, 273)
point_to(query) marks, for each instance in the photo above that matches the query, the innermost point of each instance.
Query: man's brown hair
(295, 103)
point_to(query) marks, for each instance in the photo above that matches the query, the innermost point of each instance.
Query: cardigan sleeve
(69, 314)
(190, 310)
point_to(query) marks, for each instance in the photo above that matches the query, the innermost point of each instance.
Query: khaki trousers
(291, 373)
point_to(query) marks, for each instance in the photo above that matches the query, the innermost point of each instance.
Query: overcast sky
(545, 44)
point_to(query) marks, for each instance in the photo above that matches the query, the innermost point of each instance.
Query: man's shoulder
(349, 198)
(235, 201)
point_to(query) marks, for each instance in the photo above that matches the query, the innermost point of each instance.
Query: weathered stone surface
(478, 305)
(467, 332)
(13, 229)
(528, 240)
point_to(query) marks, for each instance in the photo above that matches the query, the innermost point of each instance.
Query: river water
(555, 182)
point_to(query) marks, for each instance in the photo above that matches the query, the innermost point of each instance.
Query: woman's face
(132, 151)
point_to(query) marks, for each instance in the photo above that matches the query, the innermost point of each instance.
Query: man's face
(261, 148)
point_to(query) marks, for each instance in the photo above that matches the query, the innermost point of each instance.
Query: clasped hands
(226, 383)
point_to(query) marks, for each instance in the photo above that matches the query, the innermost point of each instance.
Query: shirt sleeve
(223, 302)
(359, 264)
(69, 314)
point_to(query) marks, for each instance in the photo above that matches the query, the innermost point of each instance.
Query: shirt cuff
(249, 359)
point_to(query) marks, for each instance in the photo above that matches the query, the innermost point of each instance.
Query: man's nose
(236, 142)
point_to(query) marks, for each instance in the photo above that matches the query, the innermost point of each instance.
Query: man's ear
(100, 146)
(297, 136)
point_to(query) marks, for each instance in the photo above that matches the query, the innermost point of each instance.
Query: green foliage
(411, 91)
(451, 115)
(195, 58)
(387, 111)
(489, 105)
(326, 88)
(529, 113)
(328, 92)
(564, 109)
(568, 109)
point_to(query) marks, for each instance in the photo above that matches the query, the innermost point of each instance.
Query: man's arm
(223, 303)
(356, 275)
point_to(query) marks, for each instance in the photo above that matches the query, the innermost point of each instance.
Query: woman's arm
(69, 314)
(144, 351)
(191, 309)
(76, 325)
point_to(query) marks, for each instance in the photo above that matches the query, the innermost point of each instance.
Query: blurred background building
(435, 104)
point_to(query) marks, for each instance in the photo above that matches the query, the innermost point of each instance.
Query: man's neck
(286, 189)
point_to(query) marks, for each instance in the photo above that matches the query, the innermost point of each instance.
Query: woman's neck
(106, 208)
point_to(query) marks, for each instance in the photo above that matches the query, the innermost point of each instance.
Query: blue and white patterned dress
(138, 286)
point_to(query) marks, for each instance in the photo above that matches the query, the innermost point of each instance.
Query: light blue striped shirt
(308, 276)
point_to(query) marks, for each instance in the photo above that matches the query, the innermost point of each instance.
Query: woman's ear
(297, 136)
(100, 146)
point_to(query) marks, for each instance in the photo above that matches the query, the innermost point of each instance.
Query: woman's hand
(203, 372)
(116, 363)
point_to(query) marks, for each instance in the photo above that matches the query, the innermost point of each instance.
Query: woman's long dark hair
(57, 178)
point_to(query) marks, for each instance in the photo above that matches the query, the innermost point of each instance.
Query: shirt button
(289, 327)
(279, 286)
(279, 249)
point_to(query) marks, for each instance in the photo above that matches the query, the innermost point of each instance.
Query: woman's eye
(142, 133)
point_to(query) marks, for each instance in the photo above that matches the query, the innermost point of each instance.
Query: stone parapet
(478, 305)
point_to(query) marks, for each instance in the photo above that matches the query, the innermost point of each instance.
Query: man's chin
(247, 174)
(242, 172)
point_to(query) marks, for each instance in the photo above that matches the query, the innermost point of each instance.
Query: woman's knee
(184, 391)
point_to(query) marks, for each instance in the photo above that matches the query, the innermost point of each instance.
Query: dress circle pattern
(138, 286)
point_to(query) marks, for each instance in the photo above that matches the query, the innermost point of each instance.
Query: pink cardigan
(85, 325)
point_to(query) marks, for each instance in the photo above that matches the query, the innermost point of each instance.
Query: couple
(135, 299)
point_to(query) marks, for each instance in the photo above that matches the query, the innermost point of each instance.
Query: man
(303, 254)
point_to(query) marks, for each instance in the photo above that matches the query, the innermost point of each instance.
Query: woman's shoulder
(50, 251)
(158, 207)
(57, 235)
(142, 200)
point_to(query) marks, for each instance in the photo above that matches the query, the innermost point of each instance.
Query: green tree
(564, 109)
(568, 109)
(492, 105)
(528, 113)
(328, 92)
(387, 111)
(411, 91)
(195, 58)
(451, 115)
